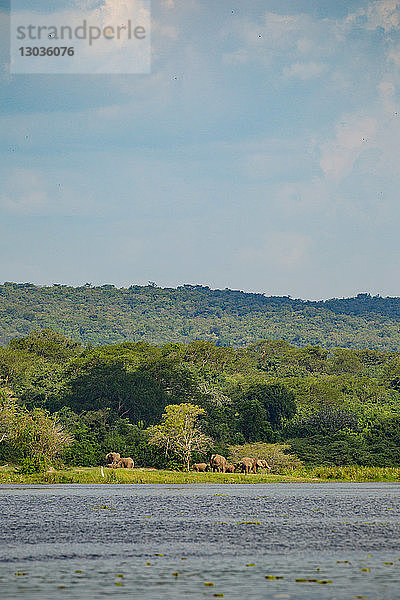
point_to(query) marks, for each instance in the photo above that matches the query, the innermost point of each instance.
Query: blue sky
(261, 153)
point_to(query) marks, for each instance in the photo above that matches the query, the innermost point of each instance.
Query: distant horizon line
(153, 285)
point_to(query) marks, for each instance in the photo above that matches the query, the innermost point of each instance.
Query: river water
(155, 542)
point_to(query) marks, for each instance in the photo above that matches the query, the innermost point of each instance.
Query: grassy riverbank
(10, 475)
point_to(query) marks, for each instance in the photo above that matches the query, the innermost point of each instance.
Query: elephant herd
(219, 464)
(114, 460)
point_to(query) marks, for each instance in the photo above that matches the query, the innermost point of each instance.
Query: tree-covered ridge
(107, 315)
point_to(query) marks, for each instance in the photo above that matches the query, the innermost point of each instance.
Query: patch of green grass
(11, 475)
(348, 473)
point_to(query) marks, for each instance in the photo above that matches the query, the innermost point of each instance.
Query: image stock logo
(87, 42)
(91, 33)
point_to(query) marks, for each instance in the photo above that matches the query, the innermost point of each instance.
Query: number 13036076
(49, 51)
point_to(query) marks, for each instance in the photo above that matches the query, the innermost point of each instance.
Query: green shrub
(33, 464)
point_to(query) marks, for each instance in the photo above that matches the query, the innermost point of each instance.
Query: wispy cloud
(384, 14)
(280, 250)
(305, 70)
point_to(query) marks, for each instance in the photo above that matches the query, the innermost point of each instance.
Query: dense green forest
(108, 315)
(335, 406)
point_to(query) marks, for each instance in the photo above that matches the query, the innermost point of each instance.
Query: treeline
(337, 407)
(108, 315)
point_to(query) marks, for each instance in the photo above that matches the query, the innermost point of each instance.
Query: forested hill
(101, 315)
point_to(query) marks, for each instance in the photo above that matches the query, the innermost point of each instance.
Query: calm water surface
(165, 542)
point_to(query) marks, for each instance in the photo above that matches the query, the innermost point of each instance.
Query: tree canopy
(108, 315)
(179, 434)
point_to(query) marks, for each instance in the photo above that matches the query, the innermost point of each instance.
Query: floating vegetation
(175, 574)
(347, 562)
(78, 571)
(103, 508)
(148, 564)
(388, 563)
(321, 581)
(366, 569)
(249, 523)
(208, 584)
(119, 583)
(119, 575)
(273, 577)
(18, 574)
(250, 565)
(62, 587)
(218, 595)
(159, 554)
(183, 558)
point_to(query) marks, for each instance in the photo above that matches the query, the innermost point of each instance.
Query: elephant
(112, 458)
(218, 463)
(125, 463)
(247, 465)
(229, 468)
(200, 467)
(262, 464)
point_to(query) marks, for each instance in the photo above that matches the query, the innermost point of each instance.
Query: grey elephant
(247, 465)
(218, 463)
(125, 463)
(112, 458)
(229, 468)
(200, 467)
(262, 464)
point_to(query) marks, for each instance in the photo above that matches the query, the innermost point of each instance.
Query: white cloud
(281, 250)
(305, 70)
(238, 57)
(31, 192)
(379, 13)
(303, 197)
(24, 192)
(352, 136)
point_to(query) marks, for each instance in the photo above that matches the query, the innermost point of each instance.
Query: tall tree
(179, 433)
